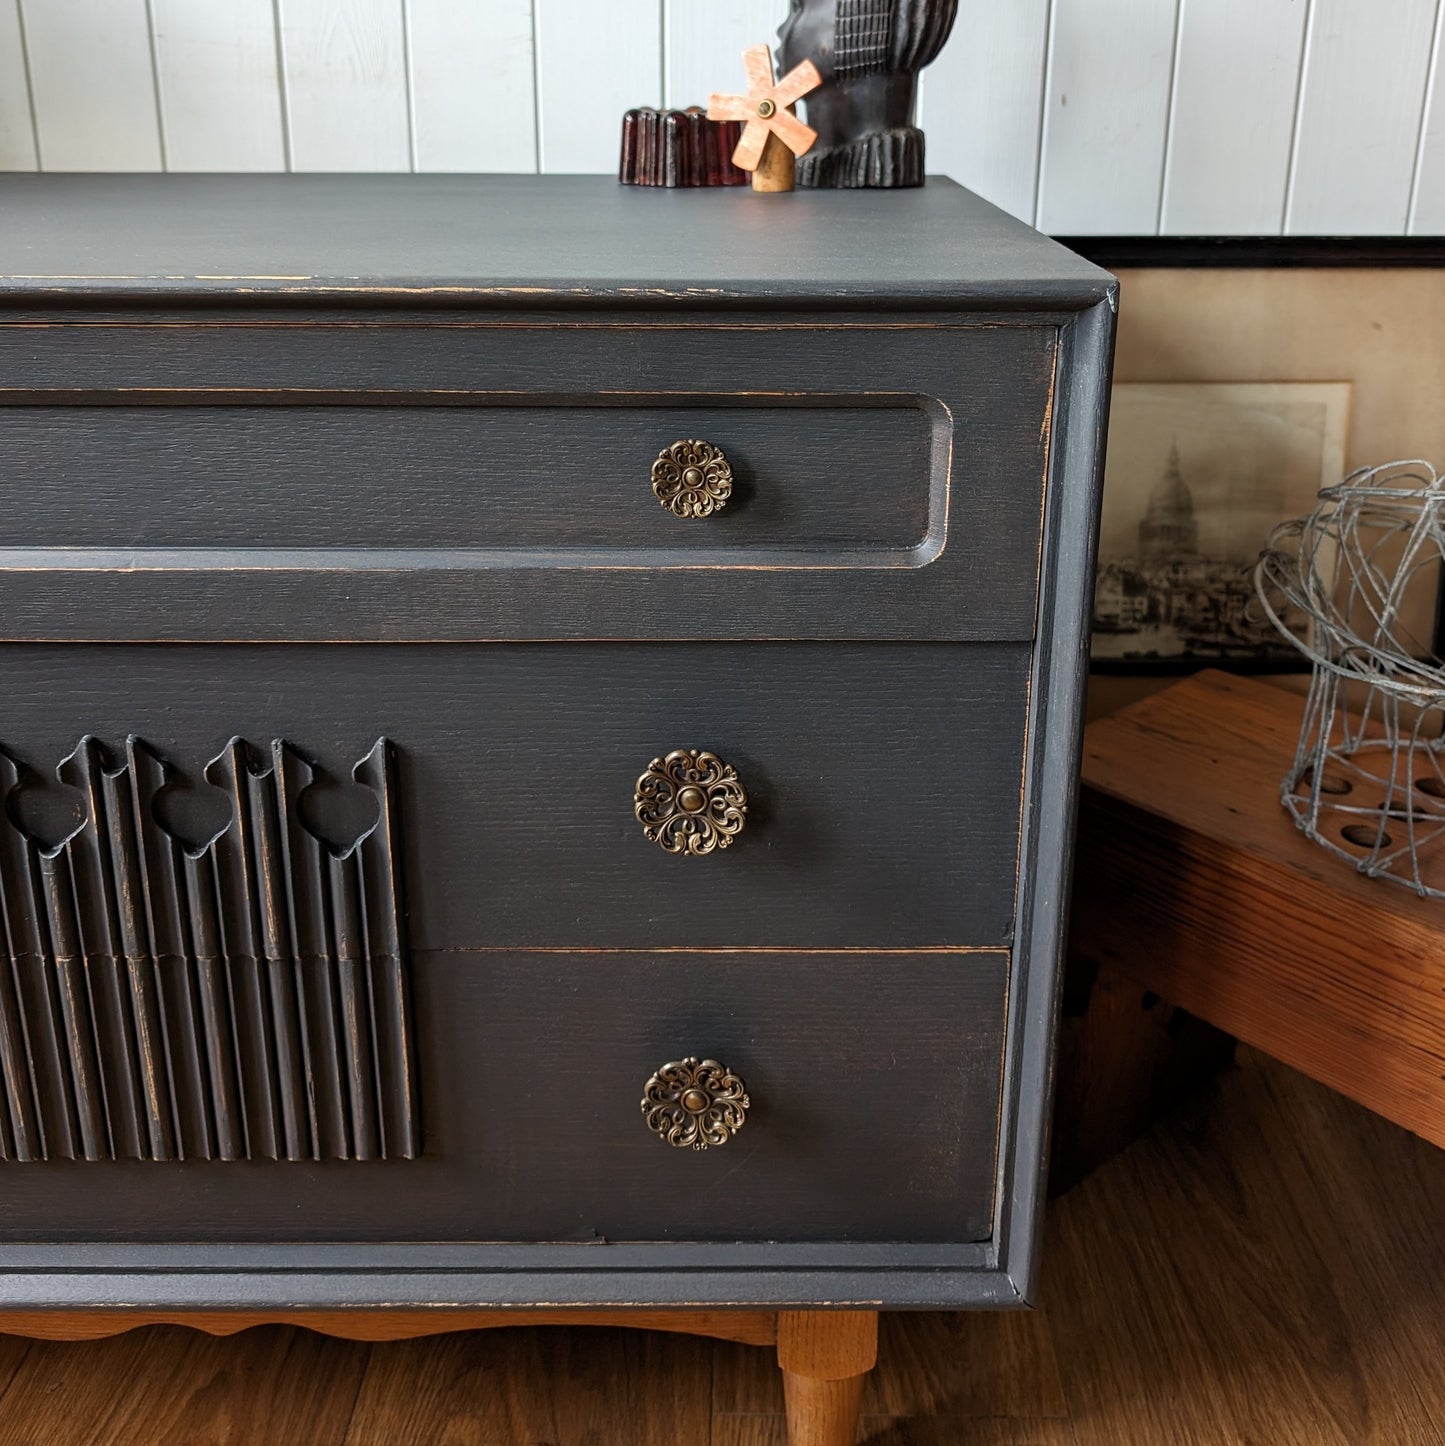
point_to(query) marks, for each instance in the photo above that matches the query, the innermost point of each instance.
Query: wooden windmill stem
(777, 169)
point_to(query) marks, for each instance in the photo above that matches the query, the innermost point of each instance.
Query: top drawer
(477, 480)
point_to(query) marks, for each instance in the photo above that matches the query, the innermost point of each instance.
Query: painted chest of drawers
(539, 736)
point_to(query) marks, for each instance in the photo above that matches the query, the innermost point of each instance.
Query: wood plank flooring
(1267, 1268)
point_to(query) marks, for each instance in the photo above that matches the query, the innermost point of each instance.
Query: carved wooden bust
(869, 53)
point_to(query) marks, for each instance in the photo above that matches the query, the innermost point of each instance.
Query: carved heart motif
(194, 815)
(338, 815)
(47, 812)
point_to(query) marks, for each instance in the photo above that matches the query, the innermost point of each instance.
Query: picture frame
(1277, 319)
(1198, 474)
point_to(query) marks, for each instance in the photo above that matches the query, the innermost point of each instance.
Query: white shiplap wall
(1186, 117)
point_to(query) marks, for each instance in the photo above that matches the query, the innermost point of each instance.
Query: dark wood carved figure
(869, 53)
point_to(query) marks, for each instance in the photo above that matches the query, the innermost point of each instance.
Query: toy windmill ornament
(772, 134)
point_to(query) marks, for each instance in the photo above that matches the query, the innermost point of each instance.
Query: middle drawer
(883, 781)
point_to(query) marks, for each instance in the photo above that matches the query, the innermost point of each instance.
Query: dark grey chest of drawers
(540, 726)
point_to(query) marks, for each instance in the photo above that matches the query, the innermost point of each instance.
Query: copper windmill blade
(730, 107)
(749, 151)
(758, 67)
(802, 78)
(772, 135)
(792, 132)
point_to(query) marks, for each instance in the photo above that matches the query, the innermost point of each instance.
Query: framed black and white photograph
(1198, 474)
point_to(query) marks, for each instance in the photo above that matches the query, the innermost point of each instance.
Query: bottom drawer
(874, 1084)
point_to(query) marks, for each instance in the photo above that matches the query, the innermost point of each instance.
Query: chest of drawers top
(519, 242)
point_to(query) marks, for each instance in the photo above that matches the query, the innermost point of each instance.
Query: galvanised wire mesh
(1348, 585)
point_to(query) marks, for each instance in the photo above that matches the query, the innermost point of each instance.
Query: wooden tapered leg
(825, 1355)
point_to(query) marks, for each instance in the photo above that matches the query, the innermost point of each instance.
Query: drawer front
(873, 1084)
(298, 482)
(854, 477)
(883, 781)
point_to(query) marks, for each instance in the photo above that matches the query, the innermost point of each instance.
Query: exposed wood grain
(1232, 115)
(1212, 1234)
(17, 129)
(220, 84)
(999, 1366)
(596, 1386)
(344, 70)
(1126, 1056)
(173, 1387)
(1234, 915)
(755, 1328)
(1384, 1244)
(473, 100)
(1355, 145)
(824, 1356)
(95, 102)
(827, 1345)
(822, 1413)
(13, 1350)
(905, 1431)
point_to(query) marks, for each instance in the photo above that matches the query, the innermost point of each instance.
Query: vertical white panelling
(594, 61)
(92, 84)
(1236, 83)
(1427, 201)
(1106, 112)
(17, 134)
(981, 105)
(220, 87)
(1359, 116)
(705, 42)
(472, 85)
(343, 64)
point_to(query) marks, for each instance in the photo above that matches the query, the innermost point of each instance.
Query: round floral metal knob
(690, 802)
(692, 479)
(693, 1103)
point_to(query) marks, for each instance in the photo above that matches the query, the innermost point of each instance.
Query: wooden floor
(1267, 1268)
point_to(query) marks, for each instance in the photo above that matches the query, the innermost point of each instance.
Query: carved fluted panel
(214, 972)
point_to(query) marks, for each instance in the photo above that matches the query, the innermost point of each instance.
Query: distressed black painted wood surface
(884, 782)
(516, 503)
(909, 735)
(208, 967)
(528, 240)
(861, 1070)
(474, 473)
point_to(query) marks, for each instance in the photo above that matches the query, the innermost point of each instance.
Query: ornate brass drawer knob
(690, 802)
(693, 1103)
(692, 479)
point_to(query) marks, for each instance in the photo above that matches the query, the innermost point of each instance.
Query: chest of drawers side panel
(1060, 671)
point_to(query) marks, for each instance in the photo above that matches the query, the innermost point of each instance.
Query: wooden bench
(1194, 891)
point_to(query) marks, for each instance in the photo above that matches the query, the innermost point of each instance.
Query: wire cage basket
(1352, 586)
